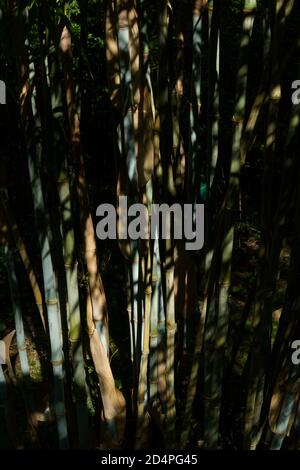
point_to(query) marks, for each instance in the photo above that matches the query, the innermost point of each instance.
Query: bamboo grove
(141, 343)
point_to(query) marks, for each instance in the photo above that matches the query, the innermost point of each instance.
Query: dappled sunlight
(174, 322)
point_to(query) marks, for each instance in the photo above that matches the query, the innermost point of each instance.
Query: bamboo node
(74, 340)
(225, 284)
(52, 302)
(237, 120)
(57, 363)
(171, 329)
(71, 265)
(91, 250)
(249, 10)
(91, 334)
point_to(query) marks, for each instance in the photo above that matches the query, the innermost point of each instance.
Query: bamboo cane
(114, 410)
(96, 290)
(213, 91)
(29, 114)
(142, 411)
(271, 250)
(51, 298)
(70, 263)
(222, 289)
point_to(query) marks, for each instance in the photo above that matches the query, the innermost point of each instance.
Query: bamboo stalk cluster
(189, 118)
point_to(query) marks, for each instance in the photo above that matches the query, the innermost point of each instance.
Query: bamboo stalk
(280, 402)
(167, 189)
(16, 304)
(75, 335)
(73, 324)
(195, 99)
(142, 398)
(221, 314)
(21, 340)
(97, 294)
(170, 347)
(269, 256)
(153, 379)
(128, 143)
(51, 298)
(130, 320)
(138, 315)
(213, 89)
(114, 409)
(29, 115)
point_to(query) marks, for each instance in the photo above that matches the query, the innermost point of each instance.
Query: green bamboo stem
(163, 105)
(51, 298)
(96, 290)
(16, 304)
(129, 92)
(286, 194)
(212, 152)
(128, 143)
(269, 256)
(209, 319)
(137, 120)
(50, 111)
(71, 273)
(193, 379)
(142, 94)
(176, 105)
(114, 409)
(75, 336)
(127, 78)
(213, 89)
(142, 424)
(195, 100)
(130, 322)
(157, 373)
(153, 378)
(28, 111)
(21, 339)
(170, 347)
(142, 397)
(214, 389)
(138, 316)
(166, 367)
(284, 375)
(285, 8)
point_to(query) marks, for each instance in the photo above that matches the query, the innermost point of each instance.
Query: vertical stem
(221, 290)
(29, 116)
(143, 395)
(75, 335)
